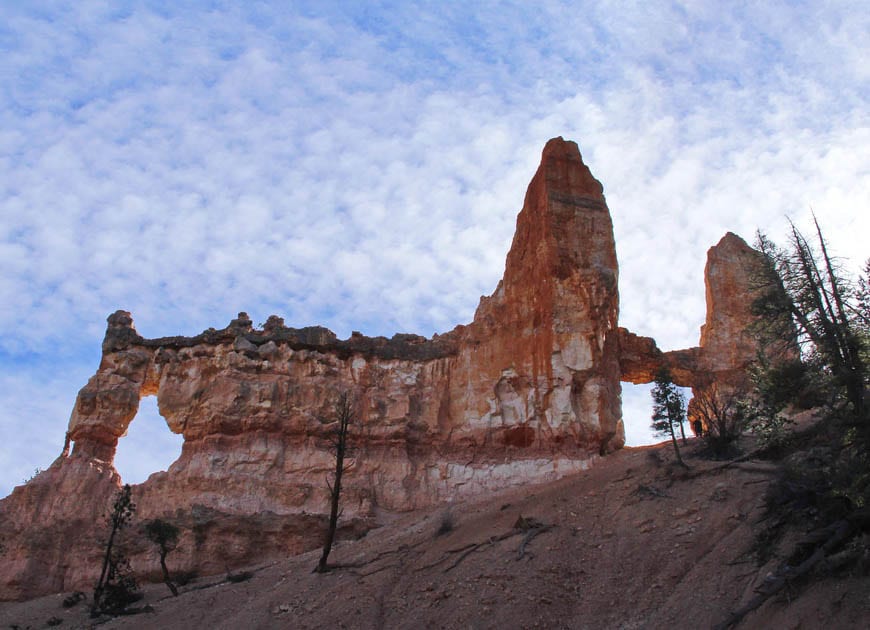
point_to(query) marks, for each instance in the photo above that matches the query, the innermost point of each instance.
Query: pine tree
(805, 285)
(165, 536)
(116, 587)
(669, 409)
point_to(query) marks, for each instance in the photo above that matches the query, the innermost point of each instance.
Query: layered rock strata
(529, 391)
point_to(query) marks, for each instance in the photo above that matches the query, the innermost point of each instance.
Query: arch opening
(148, 447)
(637, 414)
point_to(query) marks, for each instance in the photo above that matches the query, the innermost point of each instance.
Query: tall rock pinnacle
(730, 275)
(553, 318)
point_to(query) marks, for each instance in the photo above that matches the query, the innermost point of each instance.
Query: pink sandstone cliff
(528, 392)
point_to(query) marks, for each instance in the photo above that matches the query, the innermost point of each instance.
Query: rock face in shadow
(528, 392)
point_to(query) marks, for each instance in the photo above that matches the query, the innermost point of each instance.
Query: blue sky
(361, 168)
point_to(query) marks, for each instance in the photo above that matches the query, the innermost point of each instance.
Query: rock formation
(727, 346)
(528, 392)
(730, 278)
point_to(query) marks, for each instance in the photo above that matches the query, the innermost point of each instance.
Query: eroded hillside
(628, 544)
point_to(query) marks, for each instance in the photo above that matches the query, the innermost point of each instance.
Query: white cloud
(362, 168)
(36, 406)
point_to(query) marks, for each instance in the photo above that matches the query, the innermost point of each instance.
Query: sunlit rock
(527, 392)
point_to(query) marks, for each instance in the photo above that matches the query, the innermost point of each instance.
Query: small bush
(121, 588)
(183, 578)
(74, 598)
(242, 576)
(722, 412)
(36, 473)
(771, 429)
(849, 476)
(446, 523)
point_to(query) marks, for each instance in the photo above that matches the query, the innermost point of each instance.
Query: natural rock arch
(527, 392)
(149, 446)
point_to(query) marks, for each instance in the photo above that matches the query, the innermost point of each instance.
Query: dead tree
(721, 412)
(344, 417)
(806, 287)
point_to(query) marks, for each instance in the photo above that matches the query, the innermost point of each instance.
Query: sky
(361, 167)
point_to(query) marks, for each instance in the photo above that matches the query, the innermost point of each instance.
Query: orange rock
(529, 391)
(727, 345)
(730, 278)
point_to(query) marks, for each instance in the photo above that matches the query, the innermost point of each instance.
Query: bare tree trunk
(98, 589)
(344, 413)
(836, 330)
(676, 446)
(166, 577)
(855, 369)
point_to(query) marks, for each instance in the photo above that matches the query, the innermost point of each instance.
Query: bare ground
(633, 543)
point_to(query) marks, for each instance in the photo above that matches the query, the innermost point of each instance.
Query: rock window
(149, 445)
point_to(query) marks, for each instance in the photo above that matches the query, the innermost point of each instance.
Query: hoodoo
(527, 392)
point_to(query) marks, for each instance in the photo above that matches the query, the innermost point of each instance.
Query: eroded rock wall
(528, 392)
(727, 345)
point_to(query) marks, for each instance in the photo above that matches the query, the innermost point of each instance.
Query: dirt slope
(627, 545)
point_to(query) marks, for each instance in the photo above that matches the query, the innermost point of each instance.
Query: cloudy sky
(361, 168)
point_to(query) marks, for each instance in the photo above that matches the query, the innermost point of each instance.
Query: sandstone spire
(730, 277)
(552, 321)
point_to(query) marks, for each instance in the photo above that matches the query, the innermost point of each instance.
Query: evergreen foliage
(117, 586)
(803, 287)
(165, 536)
(669, 410)
(826, 479)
